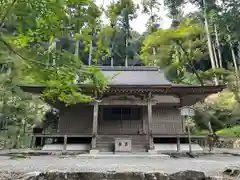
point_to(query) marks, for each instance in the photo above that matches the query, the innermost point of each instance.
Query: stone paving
(211, 165)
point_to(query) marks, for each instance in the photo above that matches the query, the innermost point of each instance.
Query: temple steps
(106, 143)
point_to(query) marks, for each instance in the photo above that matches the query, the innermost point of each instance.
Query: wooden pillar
(33, 142)
(143, 122)
(178, 143)
(95, 126)
(65, 143)
(189, 139)
(149, 104)
(42, 141)
(61, 107)
(182, 118)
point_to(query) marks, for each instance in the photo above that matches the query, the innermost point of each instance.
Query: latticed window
(122, 113)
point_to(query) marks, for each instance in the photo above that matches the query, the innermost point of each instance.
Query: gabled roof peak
(129, 68)
(135, 75)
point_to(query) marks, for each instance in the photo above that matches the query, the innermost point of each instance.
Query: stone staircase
(105, 143)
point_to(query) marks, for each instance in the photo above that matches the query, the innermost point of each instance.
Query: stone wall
(227, 174)
(185, 175)
(229, 143)
(236, 144)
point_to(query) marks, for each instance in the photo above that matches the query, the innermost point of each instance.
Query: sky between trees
(139, 24)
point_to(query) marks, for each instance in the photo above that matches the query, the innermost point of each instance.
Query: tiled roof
(135, 75)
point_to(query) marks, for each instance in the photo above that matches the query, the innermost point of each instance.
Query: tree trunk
(54, 53)
(76, 54)
(77, 49)
(233, 57)
(210, 127)
(191, 65)
(151, 31)
(218, 46)
(215, 55)
(209, 41)
(113, 26)
(111, 55)
(238, 54)
(126, 58)
(111, 61)
(90, 53)
(16, 142)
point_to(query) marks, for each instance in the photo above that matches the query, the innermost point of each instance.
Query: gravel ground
(211, 165)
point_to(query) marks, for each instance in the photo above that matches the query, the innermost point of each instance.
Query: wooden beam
(149, 104)
(123, 102)
(95, 126)
(56, 135)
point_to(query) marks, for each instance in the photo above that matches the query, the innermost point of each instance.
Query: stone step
(113, 139)
(106, 143)
(110, 146)
(133, 142)
(111, 149)
(134, 137)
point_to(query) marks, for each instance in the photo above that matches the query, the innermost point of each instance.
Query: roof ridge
(129, 68)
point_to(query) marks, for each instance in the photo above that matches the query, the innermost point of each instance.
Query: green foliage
(218, 109)
(151, 7)
(36, 26)
(219, 72)
(18, 157)
(97, 80)
(174, 6)
(55, 68)
(202, 132)
(62, 85)
(204, 116)
(177, 48)
(120, 14)
(19, 111)
(229, 132)
(49, 42)
(223, 101)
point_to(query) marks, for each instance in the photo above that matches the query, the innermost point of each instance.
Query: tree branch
(11, 48)
(15, 52)
(7, 12)
(191, 65)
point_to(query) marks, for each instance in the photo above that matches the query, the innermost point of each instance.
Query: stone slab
(70, 147)
(152, 151)
(94, 152)
(173, 148)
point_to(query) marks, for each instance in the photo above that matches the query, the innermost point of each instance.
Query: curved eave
(161, 89)
(170, 89)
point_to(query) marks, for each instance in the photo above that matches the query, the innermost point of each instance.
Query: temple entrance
(120, 120)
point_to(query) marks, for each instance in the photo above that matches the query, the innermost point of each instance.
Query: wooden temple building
(140, 108)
